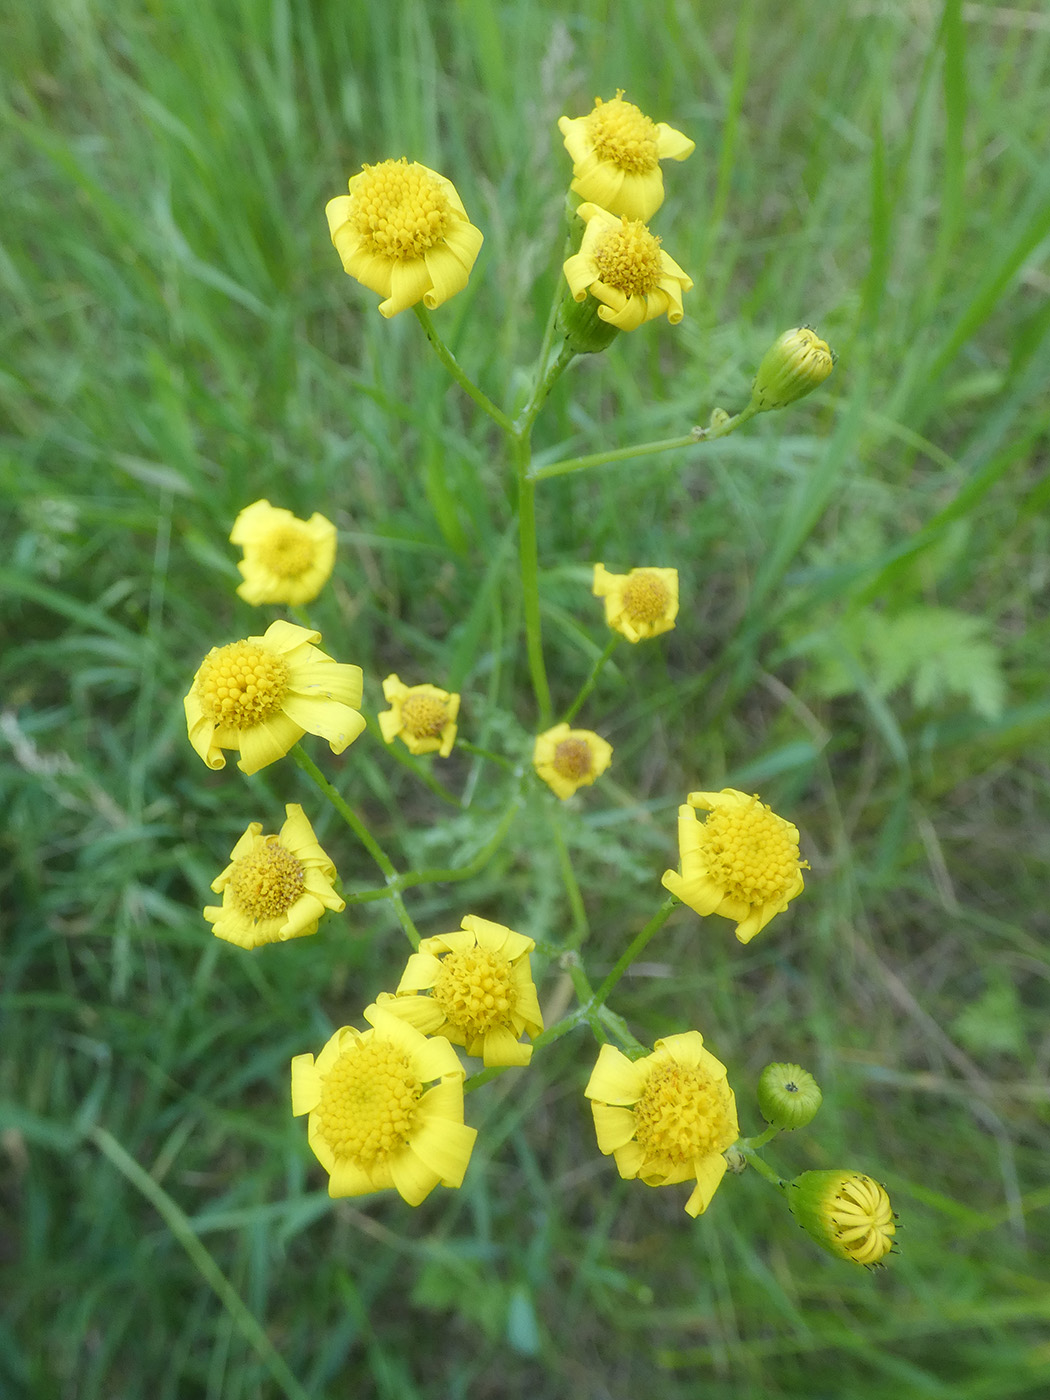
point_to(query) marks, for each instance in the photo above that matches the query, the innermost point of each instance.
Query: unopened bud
(788, 1096)
(847, 1214)
(584, 330)
(793, 366)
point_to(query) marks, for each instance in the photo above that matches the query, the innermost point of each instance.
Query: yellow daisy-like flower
(275, 887)
(666, 1118)
(847, 1213)
(373, 1124)
(616, 153)
(262, 694)
(567, 759)
(622, 264)
(402, 231)
(423, 716)
(286, 560)
(742, 862)
(481, 992)
(641, 604)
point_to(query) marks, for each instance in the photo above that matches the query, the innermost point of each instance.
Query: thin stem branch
(450, 362)
(636, 945)
(643, 449)
(589, 683)
(530, 578)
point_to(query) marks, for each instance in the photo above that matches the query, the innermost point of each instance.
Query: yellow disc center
(573, 759)
(475, 991)
(424, 716)
(683, 1114)
(624, 135)
(400, 210)
(368, 1103)
(645, 596)
(267, 881)
(862, 1219)
(242, 684)
(286, 551)
(751, 853)
(628, 258)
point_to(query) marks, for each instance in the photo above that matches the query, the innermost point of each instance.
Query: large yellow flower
(742, 862)
(666, 1118)
(641, 604)
(422, 715)
(262, 694)
(622, 264)
(402, 231)
(373, 1124)
(481, 992)
(275, 887)
(567, 759)
(616, 153)
(286, 560)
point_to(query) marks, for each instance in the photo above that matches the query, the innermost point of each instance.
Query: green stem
(580, 927)
(642, 449)
(763, 1168)
(545, 382)
(530, 581)
(589, 683)
(635, 947)
(401, 755)
(468, 386)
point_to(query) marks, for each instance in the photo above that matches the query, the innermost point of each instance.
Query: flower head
(666, 1118)
(286, 560)
(275, 887)
(847, 1214)
(422, 715)
(641, 604)
(475, 987)
(402, 231)
(622, 264)
(262, 694)
(567, 759)
(373, 1124)
(788, 1096)
(793, 366)
(616, 153)
(742, 862)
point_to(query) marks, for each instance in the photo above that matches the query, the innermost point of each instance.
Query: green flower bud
(847, 1214)
(791, 368)
(584, 330)
(788, 1096)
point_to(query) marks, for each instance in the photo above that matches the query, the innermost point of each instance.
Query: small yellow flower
(847, 1213)
(275, 887)
(742, 862)
(262, 694)
(373, 1124)
(567, 759)
(286, 560)
(622, 264)
(641, 604)
(422, 715)
(402, 231)
(666, 1118)
(793, 366)
(616, 153)
(481, 992)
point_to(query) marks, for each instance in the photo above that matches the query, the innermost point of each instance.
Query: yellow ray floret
(622, 264)
(641, 604)
(261, 695)
(374, 1124)
(666, 1118)
(286, 560)
(275, 887)
(474, 986)
(742, 862)
(616, 152)
(567, 759)
(402, 231)
(422, 716)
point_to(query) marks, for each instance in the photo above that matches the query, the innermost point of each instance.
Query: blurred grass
(179, 340)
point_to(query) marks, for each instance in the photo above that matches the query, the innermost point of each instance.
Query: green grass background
(863, 639)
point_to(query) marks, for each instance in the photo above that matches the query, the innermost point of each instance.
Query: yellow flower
(286, 560)
(567, 759)
(275, 887)
(616, 153)
(666, 1118)
(423, 715)
(742, 862)
(262, 694)
(846, 1212)
(482, 995)
(641, 604)
(622, 264)
(793, 366)
(373, 1125)
(402, 231)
